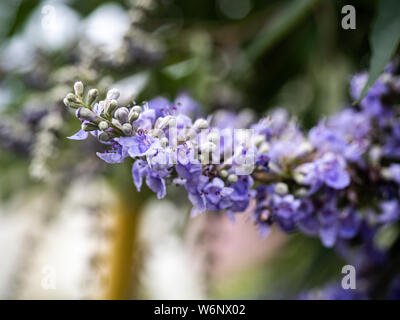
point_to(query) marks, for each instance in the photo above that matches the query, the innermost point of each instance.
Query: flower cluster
(336, 182)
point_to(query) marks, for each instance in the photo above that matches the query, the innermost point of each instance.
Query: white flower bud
(71, 104)
(122, 115)
(111, 106)
(305, 147)
(233, 178)
(164, 142)
(298, 177)
(208, 147)
(89, 127)
(103, 125)
(127, 129)
(113, 94)
(190, 134)
(78, 88)
(87, 114)
(213, 137)
(385, 172)
(172, 122)
(72, 98)
(264, 148)
(302, 192)
(137, 109)
(92, 96)
(223, 174)
(157, 132)
(104, 137)
(133, 115)
(259, 139)
(200, 124)
(281, 188)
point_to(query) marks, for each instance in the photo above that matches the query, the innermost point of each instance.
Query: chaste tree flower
(338, 182)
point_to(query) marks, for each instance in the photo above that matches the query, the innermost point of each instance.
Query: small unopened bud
(72, 98)
(92, 96)
(213, 137)
(172, 122)
(259, 139)
(281, 188)
(110, 107)
(104, 137)
(208, 147)
(157, 132)
(298, 177)
(133, 115)
(264, 148)
(385, 172)
(78, 88)
(302, 192)
(164, 142)
(233, 178)
(103, 125)
(223, 174)
(137, 109)
(201, 124)
(127, 129)
(87, 126)
(375, 154)
(71, 104)
(86, 114)
(122, 114)
(113, 94)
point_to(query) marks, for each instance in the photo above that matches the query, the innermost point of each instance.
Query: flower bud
(87, 126)
(137, 109)
(113, 94)
(122, 114)
(127, 129)
(281, 188)
(71, 104)
(208, 147)
(201, 124)
(72, 98)
(172, 122)
(233, 178)
(103, 125)
(133, 115)
(104, 137)
(213, 137)
(264, 148)
(223, 174)
(164, 141)
(86, 114)
(110, 107)
(157, 132)
(92, 96)
(78, 88)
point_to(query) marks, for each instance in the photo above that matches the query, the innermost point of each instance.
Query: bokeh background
(72, 227)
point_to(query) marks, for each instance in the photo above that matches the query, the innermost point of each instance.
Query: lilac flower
(330, 170)
(117, 154)
(394, 171)
(217, 195)
(390, 211)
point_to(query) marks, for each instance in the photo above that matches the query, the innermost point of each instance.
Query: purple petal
(80, 135)
(157, 185)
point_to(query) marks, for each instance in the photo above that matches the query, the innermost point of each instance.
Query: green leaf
(384, 40)
(279, 27)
